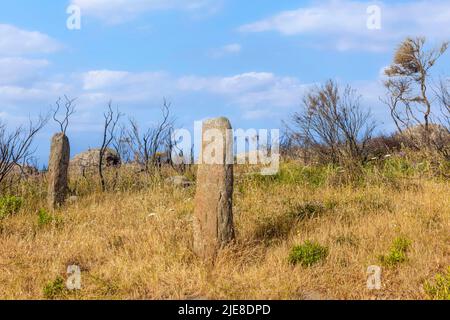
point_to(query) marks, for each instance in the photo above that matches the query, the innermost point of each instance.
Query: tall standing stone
(58, 170)
(213, 215)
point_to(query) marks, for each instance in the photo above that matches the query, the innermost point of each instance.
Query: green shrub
(397, 253)
(44, 218)
(308, 254)
(297, 174)
(292, 173)
(9, 205)
(55, 289)
(439, 289)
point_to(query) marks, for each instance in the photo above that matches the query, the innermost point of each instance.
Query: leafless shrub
(382, 145)
(109, 133)
(147, 145)
(333, 124)
(16, 146)
(69, 110)
(121, 144)
(443, 94)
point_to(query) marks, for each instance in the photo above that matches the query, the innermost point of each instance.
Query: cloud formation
(118, 11)
(16, 70)
(227, 50)
(18, 42)
(251, 90)
(343, 23)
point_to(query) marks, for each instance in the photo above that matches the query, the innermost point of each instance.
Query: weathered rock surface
(438, 135)
(90, 159)
(179, 181)
(58, 170)
(213, 216)
(72, 199)
(24, 170)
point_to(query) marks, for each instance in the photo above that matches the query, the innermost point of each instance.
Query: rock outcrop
(90, 159)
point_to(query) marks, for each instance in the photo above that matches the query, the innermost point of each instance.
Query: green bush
(308, 254)
(297, 174)
(397, 253)
(9, 205)
(54, 289)
(439, 289)
(292, 173)
(44, 218)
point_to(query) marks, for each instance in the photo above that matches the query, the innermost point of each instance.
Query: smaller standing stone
(58, 170)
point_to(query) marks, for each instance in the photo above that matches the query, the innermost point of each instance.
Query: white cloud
(125, 87)
(102, 78)
(257, 94)
(229, 49)
(18, 42)
(249, 90)
(252, 90)
(240, 83)
(118, 11)
(14, 70)
(343, 23)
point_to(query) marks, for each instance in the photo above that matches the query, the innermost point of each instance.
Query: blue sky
(249, 60)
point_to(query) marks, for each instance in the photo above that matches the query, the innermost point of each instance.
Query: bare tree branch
(409, 78)
(69, 110)
(111, 120)
(146, 145)
(15, 146)
(334, 124)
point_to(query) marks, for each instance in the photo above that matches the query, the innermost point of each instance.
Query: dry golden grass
(137, 244)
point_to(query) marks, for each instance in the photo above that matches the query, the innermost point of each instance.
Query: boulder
(416, 135)
(89, 160)
(179, 181)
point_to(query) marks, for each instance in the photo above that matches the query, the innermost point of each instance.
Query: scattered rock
(24, 170)
(417, 135)
(313, 296)
(90, 159)
(72, 199)
(179, 181)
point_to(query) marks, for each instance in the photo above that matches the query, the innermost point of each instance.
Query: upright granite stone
(213, 215)
(58, 170)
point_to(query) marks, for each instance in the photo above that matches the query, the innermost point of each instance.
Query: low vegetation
(134, 242)
(307, 254)
(397, 253)
(439, 288)
(9, 205)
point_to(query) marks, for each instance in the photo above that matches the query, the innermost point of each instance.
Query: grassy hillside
(307, 233)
